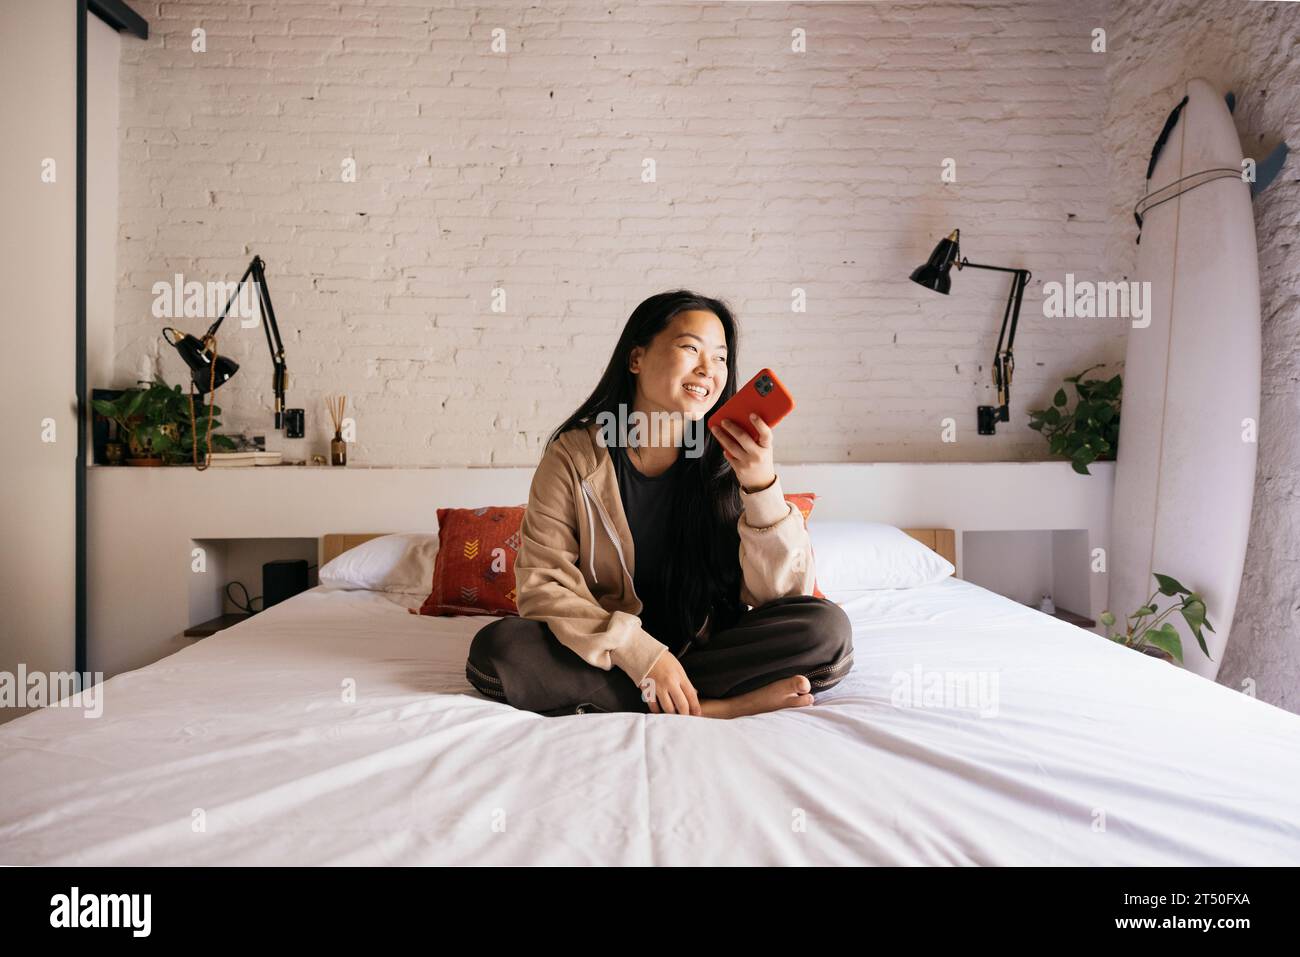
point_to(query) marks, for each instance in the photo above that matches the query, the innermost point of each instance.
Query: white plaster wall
(38, 422)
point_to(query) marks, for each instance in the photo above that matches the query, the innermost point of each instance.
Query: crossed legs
(518, 661)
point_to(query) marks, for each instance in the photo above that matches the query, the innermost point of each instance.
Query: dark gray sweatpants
(520, 662)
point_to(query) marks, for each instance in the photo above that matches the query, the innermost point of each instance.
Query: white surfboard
(1185, 470)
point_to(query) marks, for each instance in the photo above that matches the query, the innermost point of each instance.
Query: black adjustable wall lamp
(209, 370)
(934, 274)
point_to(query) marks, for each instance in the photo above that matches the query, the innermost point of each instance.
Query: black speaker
(283, 579)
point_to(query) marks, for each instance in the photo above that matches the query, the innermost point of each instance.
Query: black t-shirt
(647, 503)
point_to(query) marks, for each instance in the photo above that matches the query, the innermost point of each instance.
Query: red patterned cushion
(804, 502)
(474, 573)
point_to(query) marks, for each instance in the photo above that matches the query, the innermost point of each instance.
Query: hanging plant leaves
(1166, 638)
(1170, 586)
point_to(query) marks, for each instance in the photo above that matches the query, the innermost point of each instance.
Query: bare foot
(794, 692)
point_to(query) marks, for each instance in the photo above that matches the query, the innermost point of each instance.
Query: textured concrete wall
(775, 171)
(1250, 48)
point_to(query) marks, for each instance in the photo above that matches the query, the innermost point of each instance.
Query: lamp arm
(212, 329)
(966, 263)
(1004, 360)
(256, 270)
(273, 342)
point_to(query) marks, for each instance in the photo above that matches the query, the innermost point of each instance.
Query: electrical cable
(247, 606)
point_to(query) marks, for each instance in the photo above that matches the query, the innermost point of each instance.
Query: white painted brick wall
(775, 170)
(1156, 46)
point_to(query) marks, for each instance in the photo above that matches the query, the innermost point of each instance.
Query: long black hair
(705, 571)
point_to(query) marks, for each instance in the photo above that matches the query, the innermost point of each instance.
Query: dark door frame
(122, 18)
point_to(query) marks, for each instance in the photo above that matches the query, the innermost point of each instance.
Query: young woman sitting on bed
(652, 544)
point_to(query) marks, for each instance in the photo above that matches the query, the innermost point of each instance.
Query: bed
(338, 728)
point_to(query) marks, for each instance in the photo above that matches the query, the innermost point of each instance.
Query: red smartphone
(763, 395)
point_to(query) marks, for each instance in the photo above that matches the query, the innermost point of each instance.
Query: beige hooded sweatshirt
(575, 563)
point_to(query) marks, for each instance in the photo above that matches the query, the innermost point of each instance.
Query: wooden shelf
(1074, 619)
(214, 625)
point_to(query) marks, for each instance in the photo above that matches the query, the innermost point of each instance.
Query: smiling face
(684, 369)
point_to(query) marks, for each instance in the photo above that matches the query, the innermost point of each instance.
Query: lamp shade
(199, 360)
(933, 274)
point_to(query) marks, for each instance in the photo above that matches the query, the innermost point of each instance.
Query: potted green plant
(121, 412)
(1088, 433)
(154, 430)
(1158, 637)
(156, 423)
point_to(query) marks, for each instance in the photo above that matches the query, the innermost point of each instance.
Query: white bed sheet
(241, 750)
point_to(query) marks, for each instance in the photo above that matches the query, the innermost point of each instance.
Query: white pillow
(856, 555)
(394, 563)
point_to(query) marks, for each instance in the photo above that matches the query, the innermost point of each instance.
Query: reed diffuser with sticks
(338, 448)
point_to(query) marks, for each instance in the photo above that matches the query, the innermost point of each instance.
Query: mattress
(336, 728)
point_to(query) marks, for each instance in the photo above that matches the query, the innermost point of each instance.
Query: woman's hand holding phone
(743, 427)
(750, 459)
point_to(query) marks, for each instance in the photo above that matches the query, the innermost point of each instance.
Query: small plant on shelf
(1159, 637)
(1089, 433)
(121, 411)
(155, 423)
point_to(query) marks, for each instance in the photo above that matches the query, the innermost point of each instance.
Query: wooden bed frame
(941, 540)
